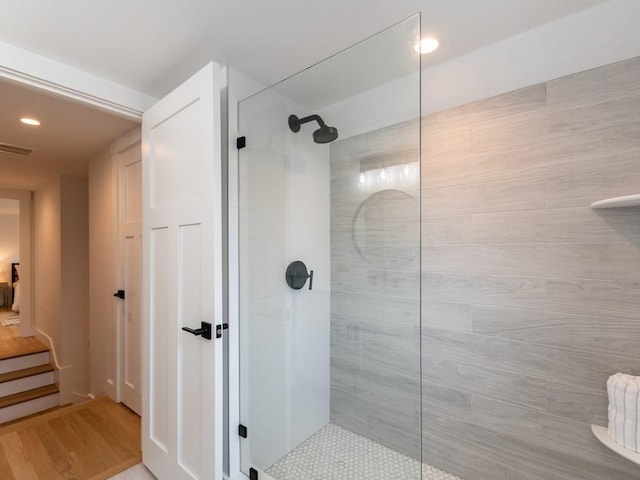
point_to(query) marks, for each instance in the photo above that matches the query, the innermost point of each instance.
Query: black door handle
(119, 294)
(204, 330)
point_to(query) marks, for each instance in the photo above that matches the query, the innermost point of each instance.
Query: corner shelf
(602, 434)
(618, 202)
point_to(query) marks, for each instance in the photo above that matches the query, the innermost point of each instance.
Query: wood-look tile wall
(375, 286)
(530, 299)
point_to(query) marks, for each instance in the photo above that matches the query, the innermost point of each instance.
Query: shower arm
(295, 122)
(311, 118)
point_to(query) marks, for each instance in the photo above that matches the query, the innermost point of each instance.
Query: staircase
(27, 383)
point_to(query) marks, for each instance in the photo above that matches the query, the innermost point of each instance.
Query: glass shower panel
(330, 267)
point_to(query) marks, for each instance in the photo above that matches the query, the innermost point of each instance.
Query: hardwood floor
(13, 331)
(90, 441)
(9, 331)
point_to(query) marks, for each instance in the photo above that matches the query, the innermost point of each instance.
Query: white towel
(623, 392)
(630, 414)
(638, 416)
(612, 405)
(619, 389)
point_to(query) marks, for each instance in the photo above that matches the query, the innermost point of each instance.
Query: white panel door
(182, 281)
(130, 277)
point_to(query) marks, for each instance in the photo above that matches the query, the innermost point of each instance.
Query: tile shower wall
(530, 299)
(375, 286)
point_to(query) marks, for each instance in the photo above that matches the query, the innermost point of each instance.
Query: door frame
(40, 73)
(24, 198)
(130, 140)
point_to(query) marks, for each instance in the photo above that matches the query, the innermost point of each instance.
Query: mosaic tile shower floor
(334, 453)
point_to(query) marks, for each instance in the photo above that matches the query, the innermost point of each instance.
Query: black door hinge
(253, 474)
(242, 431)
(219, 329)
(241, 142)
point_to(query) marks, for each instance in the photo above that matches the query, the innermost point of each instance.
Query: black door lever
(204, 330)
(119, 294)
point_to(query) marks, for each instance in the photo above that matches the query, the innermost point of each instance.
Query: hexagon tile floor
(334, 453)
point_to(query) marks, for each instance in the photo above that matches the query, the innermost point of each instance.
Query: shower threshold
(334, 453)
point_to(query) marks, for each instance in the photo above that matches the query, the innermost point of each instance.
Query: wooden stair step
(25, 372)
(36, 415)
(12, 347)
(21, 397)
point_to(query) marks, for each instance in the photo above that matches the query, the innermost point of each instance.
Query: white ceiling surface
(70, 135)
(153, 45)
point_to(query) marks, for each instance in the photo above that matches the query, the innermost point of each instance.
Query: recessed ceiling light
(30, 121)
(427, 45)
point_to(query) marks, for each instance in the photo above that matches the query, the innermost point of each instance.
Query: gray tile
(592, 261)
(492, 108)
(591, 181)
(538, 428)
(475, 462)
(574, 367)
(557, 225)
(578, 403)
(472, 168)
(377, 410)
(447, 230)
(515, 132)
(376, 344)
(614, 79)
(542, 460)
(508, 196)
(450, 316)
(607, 298)
(438, 143)
(604, 335)
(492, 382)
(569, 119)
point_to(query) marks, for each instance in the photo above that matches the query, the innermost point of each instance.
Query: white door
(182, 281)
(130, 277)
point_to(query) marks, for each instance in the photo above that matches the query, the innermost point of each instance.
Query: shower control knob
(297, 275)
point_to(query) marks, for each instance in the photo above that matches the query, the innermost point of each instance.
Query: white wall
(61, 280)
(74, 291)
(284, 216)
(47, 262)
(44, 73)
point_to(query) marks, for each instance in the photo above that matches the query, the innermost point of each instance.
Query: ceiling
(153, 45)
(268, 40)
(69, 136)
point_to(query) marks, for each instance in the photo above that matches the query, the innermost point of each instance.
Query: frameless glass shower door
(329, 185)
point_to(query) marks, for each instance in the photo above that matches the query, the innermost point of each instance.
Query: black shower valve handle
(297, 275)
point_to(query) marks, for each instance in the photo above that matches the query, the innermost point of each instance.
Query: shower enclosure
(329, 201)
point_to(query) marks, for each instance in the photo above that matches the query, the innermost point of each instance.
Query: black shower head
(324, 134)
